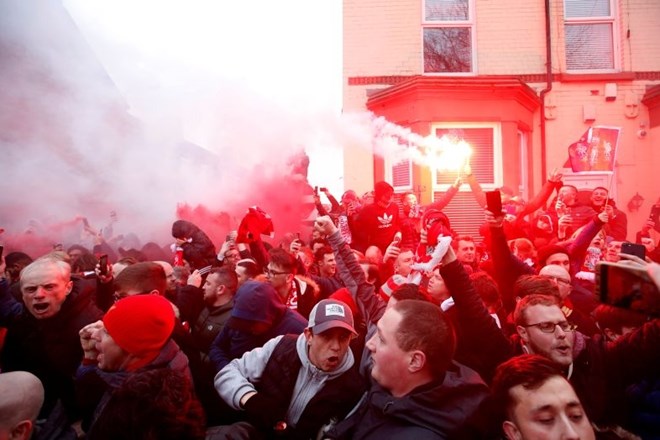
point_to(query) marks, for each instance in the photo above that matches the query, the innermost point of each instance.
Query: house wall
(383, 44)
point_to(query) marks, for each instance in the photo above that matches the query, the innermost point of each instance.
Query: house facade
(519, 81)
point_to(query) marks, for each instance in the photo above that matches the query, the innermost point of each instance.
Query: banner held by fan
(595, 150)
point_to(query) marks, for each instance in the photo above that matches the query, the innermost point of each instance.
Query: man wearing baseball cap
(293, 385)
(134, 336)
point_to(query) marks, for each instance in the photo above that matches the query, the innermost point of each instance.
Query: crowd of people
(382, 324)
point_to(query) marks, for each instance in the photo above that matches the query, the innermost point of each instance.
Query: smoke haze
(86, 134)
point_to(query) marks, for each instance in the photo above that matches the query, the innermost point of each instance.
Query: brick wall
(384, 38)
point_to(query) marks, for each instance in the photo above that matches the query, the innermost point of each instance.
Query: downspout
(548, 88)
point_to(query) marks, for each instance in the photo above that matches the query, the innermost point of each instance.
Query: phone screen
(627, 287)
(494, 202)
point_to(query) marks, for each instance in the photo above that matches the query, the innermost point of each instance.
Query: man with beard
(219, 290)
(217, 294)
(599, 371)
(536, 402)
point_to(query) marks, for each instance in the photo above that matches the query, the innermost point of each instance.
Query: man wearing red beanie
(134, 336)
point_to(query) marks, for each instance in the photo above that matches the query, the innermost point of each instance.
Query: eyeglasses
(549, 327)
(271, 272)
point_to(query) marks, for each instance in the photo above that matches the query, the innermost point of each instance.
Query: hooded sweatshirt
(239, 377)
(256, 305)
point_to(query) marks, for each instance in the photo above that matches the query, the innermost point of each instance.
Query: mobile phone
(628, 287)
(103, 264)
(494, 202)
(633, 249)
(2, 249)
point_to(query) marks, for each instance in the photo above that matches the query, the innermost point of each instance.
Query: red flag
(595, 150)
(255, 223)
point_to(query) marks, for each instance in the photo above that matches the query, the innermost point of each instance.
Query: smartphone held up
(494, 202)
(627, 286)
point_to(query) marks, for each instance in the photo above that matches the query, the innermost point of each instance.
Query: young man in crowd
(296, 292)
(537, 401)
(293, 385)
(417, 387)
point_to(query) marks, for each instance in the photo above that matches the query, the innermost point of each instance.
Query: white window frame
(389, 161)
(613, 20)
(469, 23)
(498, 172)
(523, 140)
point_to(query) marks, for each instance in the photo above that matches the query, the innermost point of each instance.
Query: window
(589, 31)
(523, 189)
(448, 31)
(486, 162)
(399, 172)
(464, 212)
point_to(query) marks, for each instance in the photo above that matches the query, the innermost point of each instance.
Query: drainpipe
(548, 87)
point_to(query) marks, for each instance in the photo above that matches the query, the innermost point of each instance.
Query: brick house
(520, 81)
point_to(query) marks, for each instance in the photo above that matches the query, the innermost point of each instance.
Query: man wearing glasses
(544, 330)
(599, 371)
(296, 292)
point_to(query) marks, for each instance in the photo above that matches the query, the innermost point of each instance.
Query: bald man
(577, 312)
(21, 397)
(560, 276)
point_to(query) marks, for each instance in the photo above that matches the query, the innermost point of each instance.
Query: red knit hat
(140, 324)
(345, 296)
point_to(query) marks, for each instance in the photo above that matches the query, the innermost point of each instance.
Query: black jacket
(199, 252)
(48, 348)
(334, 400)
(438, 410)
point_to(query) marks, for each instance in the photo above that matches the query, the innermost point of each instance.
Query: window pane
(401, 174)
(446, 10)
(464, 212)
(587, 8)
(589, 46)
(483, 154)
(447, 49)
